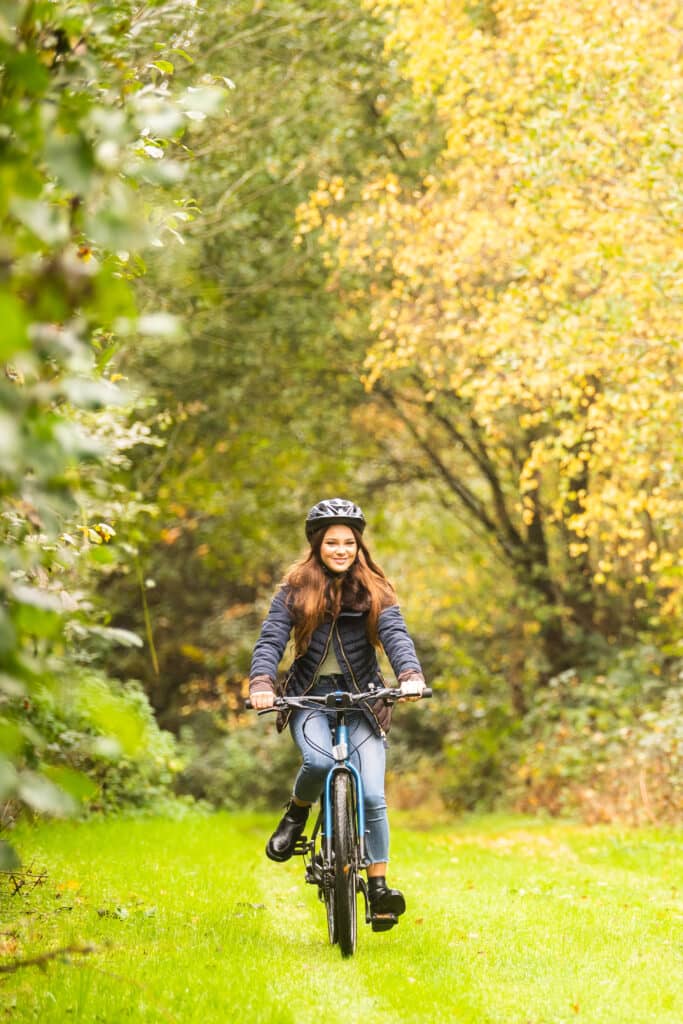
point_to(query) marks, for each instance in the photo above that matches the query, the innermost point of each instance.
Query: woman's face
(338, 549)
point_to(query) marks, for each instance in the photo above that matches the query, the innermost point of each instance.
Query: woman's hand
(261, 692)
(262, 699)
(412, 688)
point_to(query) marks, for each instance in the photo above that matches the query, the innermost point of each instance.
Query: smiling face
(338, 549)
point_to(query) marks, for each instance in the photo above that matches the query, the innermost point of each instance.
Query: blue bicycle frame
(340, 752)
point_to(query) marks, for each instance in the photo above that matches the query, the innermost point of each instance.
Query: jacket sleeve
(398, 646)
(271, 644)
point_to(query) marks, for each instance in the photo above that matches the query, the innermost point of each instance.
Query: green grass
(509, 920)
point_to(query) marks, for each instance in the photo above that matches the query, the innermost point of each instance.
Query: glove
(261, 693)
(412, 686)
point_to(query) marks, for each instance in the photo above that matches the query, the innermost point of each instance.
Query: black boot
(281, 844)
(386, 905)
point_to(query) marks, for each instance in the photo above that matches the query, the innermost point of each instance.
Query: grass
(511, 921)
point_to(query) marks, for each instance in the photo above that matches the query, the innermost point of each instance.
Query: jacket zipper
(341, 648)
(355, 681)
(288, 713)
(322, 659)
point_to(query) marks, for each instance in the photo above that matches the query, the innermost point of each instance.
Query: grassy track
(509, 921)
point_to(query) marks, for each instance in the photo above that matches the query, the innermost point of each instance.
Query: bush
(99, 741)
(606, 746)
(248, 766)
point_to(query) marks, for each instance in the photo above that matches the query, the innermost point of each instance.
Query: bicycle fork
(340, 752)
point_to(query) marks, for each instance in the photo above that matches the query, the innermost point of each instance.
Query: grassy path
(509, 921)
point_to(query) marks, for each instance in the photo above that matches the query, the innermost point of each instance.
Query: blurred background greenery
(242, 268)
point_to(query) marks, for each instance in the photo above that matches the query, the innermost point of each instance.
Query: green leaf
(11, 738)
(24, 73)
(42, 796)
(8, 778)
(70, 159)
(113, 718)
(10, 14)
(49, 223)
(164, 66)
(182, 53)
(13, 336)
(36, 611)
(76, 784)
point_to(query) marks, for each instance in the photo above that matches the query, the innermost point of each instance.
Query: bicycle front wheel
(345, 863)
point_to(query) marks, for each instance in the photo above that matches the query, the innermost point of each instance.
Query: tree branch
(43, 958)
(462, 492)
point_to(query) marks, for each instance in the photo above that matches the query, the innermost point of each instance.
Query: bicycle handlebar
(340, 699)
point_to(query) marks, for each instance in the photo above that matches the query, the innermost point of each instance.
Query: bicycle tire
(345, 866)
(328, 895)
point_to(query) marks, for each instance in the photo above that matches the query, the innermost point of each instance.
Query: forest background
(423, 254)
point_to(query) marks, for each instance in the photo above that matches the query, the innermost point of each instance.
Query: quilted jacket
(356, 655)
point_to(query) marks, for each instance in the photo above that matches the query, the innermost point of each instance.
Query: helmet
(333, 511)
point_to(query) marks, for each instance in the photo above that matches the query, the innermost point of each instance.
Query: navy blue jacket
(356, 655)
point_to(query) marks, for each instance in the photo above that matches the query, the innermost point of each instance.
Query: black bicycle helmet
(331, 512)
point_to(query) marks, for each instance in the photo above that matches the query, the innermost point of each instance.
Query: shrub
(249, 765)
(99, 741)
(606, 746)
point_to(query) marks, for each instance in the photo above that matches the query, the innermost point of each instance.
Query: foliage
(88, 122)
(425, 254)
(606, 746)
(100, 743)
(260, 402)
(525, 300)
(251, 767)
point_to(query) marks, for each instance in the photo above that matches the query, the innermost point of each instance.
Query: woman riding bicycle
(341, 607)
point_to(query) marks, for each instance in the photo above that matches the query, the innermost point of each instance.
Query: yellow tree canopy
(535, 281)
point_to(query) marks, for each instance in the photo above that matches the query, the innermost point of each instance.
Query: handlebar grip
(248, 705)
(427, 692)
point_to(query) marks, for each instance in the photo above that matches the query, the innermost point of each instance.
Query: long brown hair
(314, 594)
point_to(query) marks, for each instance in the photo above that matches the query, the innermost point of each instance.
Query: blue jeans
(312, 733)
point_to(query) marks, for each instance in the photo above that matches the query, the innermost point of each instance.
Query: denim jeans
(312, 732)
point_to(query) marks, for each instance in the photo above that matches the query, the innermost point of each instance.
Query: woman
(341, 607)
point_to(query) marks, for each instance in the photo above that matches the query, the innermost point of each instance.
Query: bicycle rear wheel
(345, 864)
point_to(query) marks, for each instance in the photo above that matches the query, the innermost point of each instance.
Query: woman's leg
(311, 732)
(312, 735)
(386, 905)
(370, 758)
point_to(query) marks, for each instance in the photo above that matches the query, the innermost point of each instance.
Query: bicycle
(335, 854)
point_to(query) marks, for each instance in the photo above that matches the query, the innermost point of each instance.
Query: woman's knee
(375, 801)
(315, 766)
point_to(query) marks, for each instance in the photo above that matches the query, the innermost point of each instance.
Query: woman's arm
(398, 645)
(270, 646)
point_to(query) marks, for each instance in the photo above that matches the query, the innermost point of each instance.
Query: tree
(86, 120)
(260, 402)
(525, 300)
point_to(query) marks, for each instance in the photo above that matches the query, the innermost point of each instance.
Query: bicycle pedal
(301, 847)
(383, 923)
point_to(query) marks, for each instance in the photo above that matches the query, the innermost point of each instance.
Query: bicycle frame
(340, 751)
(321, 869)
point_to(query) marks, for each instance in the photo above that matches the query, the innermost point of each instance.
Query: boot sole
(383, 924)
(280, 858)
